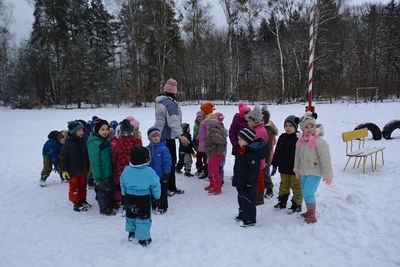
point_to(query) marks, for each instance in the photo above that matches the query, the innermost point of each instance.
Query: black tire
(389, 128)
(373, 128)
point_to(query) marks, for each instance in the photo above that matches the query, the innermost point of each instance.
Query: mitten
(247, 187)
(164, 180)
(65, 175)
(273, 171)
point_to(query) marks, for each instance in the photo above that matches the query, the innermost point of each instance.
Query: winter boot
(79, 207)
(203, 176)
(145, 243)
(178, 171)
(131, 236)
(269, 193)
(246, 223)
(239, 217)
(282, 202)
(86, 204)
(310, 213)
(259, 198)
(295, 207)
(42, 181)
(108, 212)
(188, 174)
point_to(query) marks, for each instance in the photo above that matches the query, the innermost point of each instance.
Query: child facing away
(100, 155)
(215, 145)
(122, 152)
(139, 183)
(50, 152)
(185, 152)
(161, 162)
(195, 142)
(74, 165)
(283, 160)
(245, 175)
(312, 161)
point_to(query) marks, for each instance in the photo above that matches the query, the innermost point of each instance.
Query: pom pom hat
(170, 86)
(243, 109)
(207, 107)
(308, 118)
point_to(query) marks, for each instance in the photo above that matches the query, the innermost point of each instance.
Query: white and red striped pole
(310, 107)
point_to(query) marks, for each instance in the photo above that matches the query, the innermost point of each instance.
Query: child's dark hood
(258, 146)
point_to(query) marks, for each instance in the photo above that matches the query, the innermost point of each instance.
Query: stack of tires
(376, 132)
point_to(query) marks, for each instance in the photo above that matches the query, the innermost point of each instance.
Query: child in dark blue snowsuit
(139, 183)
(185, 152)
(51, 150)
(245, 175)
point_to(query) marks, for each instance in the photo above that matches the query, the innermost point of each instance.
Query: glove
(273, 171)
(247, 187)
(65, 175)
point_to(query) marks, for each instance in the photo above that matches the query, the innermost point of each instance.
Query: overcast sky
(22, 15)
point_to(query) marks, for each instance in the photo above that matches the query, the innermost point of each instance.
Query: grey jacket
(216, 139)
(168, 117)
(314, 161)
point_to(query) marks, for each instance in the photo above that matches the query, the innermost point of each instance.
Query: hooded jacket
(238, 123)
(100, 156)
(74, 156)
(168, 117)
(161, 159)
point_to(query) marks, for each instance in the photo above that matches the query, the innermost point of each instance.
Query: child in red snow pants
(214, 162)
(77, 188)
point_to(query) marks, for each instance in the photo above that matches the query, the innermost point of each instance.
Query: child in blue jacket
(51, 150)
(139, 183)
(161, 161)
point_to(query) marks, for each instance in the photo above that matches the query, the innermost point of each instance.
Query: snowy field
(358, 215)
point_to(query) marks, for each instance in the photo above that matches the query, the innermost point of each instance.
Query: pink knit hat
(243, 109)
(220, 116)
(170, 86)
(133, 122)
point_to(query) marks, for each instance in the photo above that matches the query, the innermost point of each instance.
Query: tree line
(78, 52)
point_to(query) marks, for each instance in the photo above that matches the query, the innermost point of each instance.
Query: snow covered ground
(358, 215)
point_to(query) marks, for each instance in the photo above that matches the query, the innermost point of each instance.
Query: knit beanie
(126, 128)
(207, 107)
(113, 124)
(139, 155)
(243, 109)
(170, 86)
(308, 118)
(199, 114)
(255, 115)
(220, 116)
(292, 120)
(247, 134)
(266, 114)
(98, 123)
(74, 126)
(133, 122)
(151, 131)
(185, 127)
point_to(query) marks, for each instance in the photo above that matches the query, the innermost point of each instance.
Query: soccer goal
(365, 94)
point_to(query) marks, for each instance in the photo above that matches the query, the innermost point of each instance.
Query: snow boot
(108, 212)
(310, 213)
(295, 207)
(269, 193)
(282, 201)
(203, 176)
(131, 236)
(145, 243)
(259, 198)
(188, 174)
(79, 207)
(86, 204)
(42, 181)
(178, 171)
(246, 223)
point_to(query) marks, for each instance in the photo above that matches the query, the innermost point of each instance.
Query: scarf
(312, 144)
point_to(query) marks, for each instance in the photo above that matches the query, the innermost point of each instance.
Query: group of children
(135, 177)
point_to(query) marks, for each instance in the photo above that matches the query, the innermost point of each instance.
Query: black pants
(171, 145)
(247, 205)
(105, 193)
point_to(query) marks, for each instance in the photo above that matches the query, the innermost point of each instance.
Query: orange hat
(207, 107)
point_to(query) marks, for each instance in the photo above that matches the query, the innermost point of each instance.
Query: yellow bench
(358, 151)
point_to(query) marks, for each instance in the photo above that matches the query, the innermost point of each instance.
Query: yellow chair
(358, 151)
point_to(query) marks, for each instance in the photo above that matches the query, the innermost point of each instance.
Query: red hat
(220, 116)
(170, 86)
(207, 107)
(243, 109)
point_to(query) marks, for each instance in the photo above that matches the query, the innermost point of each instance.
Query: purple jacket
(202, 136)
(238, 123)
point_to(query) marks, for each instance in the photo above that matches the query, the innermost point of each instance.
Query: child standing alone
(312, 161)
(245, 175)
(139, 183)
